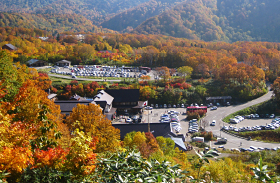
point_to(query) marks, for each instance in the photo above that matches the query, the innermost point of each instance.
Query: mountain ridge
(207, 20)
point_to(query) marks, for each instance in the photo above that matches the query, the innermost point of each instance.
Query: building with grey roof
(63, 63)
(9, 47)
(106, 103)
(36, 63)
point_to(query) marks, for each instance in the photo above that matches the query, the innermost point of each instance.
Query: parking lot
(103, 71)
(253, 124)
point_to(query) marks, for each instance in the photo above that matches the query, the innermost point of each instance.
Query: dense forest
(212, 20)
(207, 20)
(38, 143)
(130, 19)
(96, 10)
(239, 69)
(49, 22)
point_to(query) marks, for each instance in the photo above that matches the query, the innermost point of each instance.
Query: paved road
(234, 142)
(84, 79)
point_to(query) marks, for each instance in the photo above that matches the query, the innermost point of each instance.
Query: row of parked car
(238, 119)
(172, 118)
(133, 119)
(169, 106)
(193, 126)
(272, 126)
(258, 149)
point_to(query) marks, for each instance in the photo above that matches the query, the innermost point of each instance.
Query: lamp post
(148, 121)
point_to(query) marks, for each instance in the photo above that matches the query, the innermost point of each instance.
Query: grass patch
(47, 70)
(271, 136)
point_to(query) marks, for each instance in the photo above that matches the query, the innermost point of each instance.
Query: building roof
(103, 96)
(158, 129)
(218, 97)
(12, 47)
(179, 143)
(63, 61)
(78, 98)
(50, 96)
(66, 106)
(44, 38)
(32, 61)
(125, 95)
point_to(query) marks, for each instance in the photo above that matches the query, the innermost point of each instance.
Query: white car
(213, 123)
(225, 128)
(148, 108)
(128, 120)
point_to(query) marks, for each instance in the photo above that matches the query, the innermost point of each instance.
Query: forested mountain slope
(94, 10)
(135, 16)
(49, 22)
(218, 20)
(208, 20)
(192, 20)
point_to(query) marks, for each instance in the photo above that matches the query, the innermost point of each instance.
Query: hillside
(191, 20)
(49, 22)
(218, 20)
(207, 20)
(133, 17)
(94, 10)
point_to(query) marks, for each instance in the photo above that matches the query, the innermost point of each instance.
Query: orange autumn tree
(32, 107)
(90, 119)
(146, 143)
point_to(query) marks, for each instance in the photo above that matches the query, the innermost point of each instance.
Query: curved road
(234, 142)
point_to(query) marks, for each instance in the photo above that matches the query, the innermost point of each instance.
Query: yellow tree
(185, 71)
(89, 119)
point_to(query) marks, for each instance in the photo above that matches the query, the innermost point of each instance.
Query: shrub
(45, 175)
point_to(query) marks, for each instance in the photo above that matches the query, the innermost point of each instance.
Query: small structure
(126, 100)
(63, 63)
(36, 63)
(77, 98)
(179, 143)
(66, 106)
(44, 38)
(9, 47)
(219, 99)
(52, 97)
(106, 102)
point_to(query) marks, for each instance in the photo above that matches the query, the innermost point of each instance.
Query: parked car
(213, 123)
(164, 105)
(182, 105)
(272, 116)
(156, 106)
(213, 108)
(128, 120)
(148, 108)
